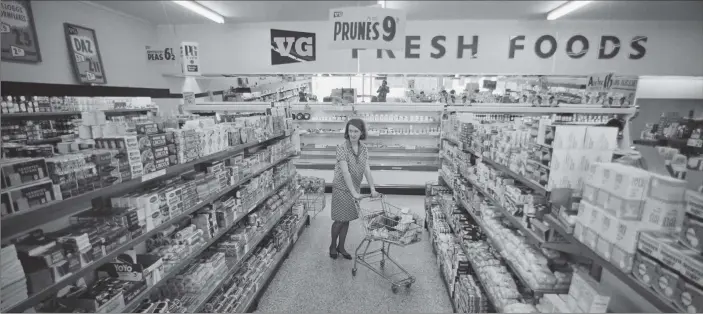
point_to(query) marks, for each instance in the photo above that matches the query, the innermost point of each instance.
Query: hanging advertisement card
(190, 58)
(366, 28)
(19, 36)
(154, 54)
(189, 99)
(85, 54)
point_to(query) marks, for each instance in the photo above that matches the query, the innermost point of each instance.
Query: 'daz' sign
(367, 28)
(84, 54)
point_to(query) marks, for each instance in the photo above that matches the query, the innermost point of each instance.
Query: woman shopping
(352, 165)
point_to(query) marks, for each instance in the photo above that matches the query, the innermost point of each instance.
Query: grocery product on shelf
(14, 286)
(42, 104)
(621, 201)
(466, 294)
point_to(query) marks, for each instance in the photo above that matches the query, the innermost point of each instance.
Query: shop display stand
(532, 237)
(650, 295)
(402, 138)
(54, 288)
(202, 299)
(17, 223)
(177, 269)
(252, 304)
(441, 272)
(574, 246)
(64, 114)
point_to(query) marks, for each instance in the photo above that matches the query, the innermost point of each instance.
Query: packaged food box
(694, 203)
(160, 152)
(645, 269)
(692, 233)
(31, 196)
(666, 188)
(17, 172)
(158, 140)
(666, 282)
(690, 299)
(162, 163)
(147, 128)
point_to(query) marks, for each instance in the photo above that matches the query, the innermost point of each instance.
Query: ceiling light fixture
(565, 9)
(382, 3)
(200, 9)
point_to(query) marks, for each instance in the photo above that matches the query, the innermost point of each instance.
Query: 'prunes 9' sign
(367, 27)
(544, 47)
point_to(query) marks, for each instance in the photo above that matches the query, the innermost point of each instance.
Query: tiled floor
(310, 281)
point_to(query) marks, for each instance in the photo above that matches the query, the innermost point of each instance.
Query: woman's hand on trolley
(375, 194)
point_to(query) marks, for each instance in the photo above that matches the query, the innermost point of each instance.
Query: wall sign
(85, 54)
(367, 28)
(19, 36)
(160, 54)
(292, 47)
(190, 58)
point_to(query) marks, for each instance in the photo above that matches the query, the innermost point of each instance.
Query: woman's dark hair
(359, 124)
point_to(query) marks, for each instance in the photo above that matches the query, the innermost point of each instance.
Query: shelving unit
(252, 303)
(63, 114)
(209, 291)
(572, 245)
(15, 224)
(54, 288)
(177, 269)
(401, 137)
(529, 234)
(650, 295)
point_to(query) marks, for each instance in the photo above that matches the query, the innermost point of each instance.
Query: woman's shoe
(333, 254)
(344, 254)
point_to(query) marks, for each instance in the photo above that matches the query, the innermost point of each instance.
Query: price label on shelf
(153, 175)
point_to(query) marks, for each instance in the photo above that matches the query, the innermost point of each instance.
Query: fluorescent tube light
(565, 9)
(382, 3)
(200, 9)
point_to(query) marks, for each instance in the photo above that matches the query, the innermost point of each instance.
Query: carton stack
(582, 298)
(565, 153)
(621, 201)
(672, 264)
(14, 284)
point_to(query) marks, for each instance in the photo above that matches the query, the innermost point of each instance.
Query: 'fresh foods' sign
(291, 47)
(544, 47)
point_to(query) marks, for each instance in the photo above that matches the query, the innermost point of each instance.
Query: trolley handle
(381, 197)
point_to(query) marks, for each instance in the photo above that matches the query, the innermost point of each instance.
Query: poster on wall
(18, 33)
(156, 54)
(366, 28)
(190, 58)
(85, 54)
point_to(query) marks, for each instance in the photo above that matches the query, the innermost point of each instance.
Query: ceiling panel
(166, 12)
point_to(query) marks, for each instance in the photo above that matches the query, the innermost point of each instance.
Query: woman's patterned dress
(344, 206)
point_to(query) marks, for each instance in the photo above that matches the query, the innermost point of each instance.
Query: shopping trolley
(391, 226)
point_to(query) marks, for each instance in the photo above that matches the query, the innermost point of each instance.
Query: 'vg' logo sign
(292, 47)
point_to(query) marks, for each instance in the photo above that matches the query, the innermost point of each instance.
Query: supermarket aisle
(310, 281)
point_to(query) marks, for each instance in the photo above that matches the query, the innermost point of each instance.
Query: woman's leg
(343, 236)
(336, 228)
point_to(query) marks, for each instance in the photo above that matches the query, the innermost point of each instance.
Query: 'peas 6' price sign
(84, 54)
(19, 36)
(367, 28)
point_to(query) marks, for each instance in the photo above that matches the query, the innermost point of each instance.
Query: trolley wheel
(353, 272)
(408, 284)
(394, 288)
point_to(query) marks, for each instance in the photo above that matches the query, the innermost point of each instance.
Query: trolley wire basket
(389, 225)
(313, 202)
